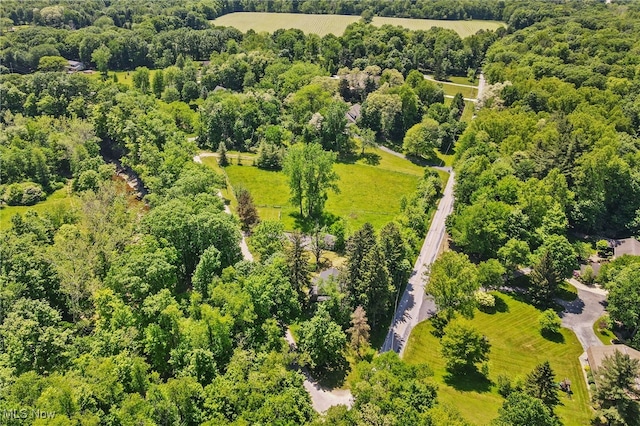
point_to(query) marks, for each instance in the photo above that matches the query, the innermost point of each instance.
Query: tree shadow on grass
(371, 158)
(468, 381)
(500, 306)
(553, 337)
(308, 224)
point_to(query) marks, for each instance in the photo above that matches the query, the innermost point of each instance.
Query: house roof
(354, 113)
(597, 354)
(624, 246)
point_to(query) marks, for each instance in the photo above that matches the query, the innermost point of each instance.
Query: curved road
(580, 314)
(415, 306)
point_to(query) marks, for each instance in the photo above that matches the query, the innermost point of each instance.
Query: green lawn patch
(602, 330)
(567, 292)
(370, 189)
(59, 199)
(516, 348)
(463, 80)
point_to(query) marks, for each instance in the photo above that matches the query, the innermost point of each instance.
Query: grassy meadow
(370, 189)
(516, 348)
(336, 24)
(59, 199)
(463, 28)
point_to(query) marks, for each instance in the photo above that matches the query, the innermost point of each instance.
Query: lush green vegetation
(516, 347)
(394, 178)
(58, 201)
(117, 311)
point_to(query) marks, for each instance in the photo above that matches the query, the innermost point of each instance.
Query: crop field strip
(336, 24)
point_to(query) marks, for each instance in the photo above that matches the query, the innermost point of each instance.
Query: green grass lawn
(604, 334)
(516, 348)
(58, 199)
(368, 192)
(451, 90)
(124, 77)
(463, 80)
(336, 24)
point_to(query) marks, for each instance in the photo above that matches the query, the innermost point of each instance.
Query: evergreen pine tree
(540, 383)
(222, 155)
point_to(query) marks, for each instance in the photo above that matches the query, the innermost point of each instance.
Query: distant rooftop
(624, 246)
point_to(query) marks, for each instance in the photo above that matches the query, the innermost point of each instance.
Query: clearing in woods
(516, 348)
(336, 24)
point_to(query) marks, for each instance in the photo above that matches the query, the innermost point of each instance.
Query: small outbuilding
(75, 66)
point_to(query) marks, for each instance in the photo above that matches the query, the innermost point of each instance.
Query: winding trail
(580, 314)
(246, 254)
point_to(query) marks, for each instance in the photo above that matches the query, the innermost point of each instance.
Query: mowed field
(368, 193)
(269, 22)
(516, 348)
(336, 24)
(56, 202)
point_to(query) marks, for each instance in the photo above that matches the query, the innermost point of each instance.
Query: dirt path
(243, 243)
(321, 398)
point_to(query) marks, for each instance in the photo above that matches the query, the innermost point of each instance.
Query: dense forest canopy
(119, 310)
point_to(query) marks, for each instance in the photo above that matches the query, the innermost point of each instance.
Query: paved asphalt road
(580, 314)
(415, 306)
(321, 398)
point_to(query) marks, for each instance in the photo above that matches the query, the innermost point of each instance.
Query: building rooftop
(597, 354)
(624, 246)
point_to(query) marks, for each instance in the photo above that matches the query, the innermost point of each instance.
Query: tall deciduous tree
(624, 298)
(521, 409)
(268, 238)
(463, 347)
(422, 138)
(323, 341)
(452, 283)
(311, 177)
(141, 79)
(101, 57)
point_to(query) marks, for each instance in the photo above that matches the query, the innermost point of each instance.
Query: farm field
(393, 177)
(336, 24)
(59, 199)
(516, 348)
(269, 22)
(463, 28)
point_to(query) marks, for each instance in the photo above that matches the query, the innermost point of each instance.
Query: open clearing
(368, 193)
(269, 22)
(516, 348)
(59, 199)
(336, 24)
